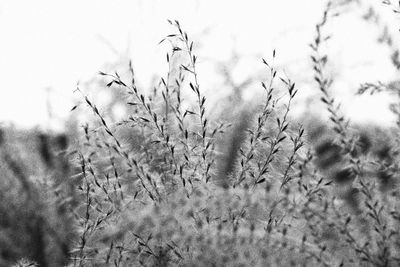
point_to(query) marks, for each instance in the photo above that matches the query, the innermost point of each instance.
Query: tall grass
(174, 185)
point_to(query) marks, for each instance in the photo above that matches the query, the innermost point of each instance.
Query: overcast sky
(53, 45)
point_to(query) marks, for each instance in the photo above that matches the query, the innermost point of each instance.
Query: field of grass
(173, 184)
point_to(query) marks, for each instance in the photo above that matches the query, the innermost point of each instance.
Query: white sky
(54, 44)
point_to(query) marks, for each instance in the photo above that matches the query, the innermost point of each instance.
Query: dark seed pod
(344, 176)
(361, 146)
(325, 147)
(387, 181)
(228, 159)
(384, 153)
(352, 199)
(327, 154)
(44, 150)
(62, 141)
(364, 143)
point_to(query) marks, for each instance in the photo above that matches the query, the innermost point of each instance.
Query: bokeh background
(47, 47)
